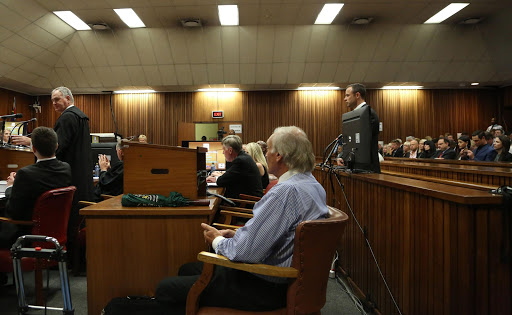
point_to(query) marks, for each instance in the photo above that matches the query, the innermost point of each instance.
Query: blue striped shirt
(268, 237)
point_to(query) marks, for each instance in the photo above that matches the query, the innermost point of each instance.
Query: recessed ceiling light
(228, 14)
(471, 21)
(402, 87)
(191, 23)
(313, 88)
(130, 18)
(328, 13)
(133, 91)
(219, 90)
(445, 13)
(73, 20)
(475, 83)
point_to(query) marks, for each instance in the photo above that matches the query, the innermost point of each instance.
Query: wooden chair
(49, 218)
(314, 247)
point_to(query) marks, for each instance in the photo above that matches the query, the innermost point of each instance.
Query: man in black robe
(243, 177)
(110, 181)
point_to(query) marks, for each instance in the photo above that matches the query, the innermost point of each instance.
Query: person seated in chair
(267, 238)
(110, 181)
(243, 176)
(30, 182)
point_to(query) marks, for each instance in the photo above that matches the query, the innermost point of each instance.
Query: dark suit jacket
(398, 152)
(243, 177)
(110, 182)
(448, 154)
(72, 128)
(31, 182)
(506, 157)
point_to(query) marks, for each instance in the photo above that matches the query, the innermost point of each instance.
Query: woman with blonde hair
(254, 150)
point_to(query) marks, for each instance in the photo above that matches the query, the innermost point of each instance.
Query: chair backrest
(51, 213)
(315, 244)
(270, 185)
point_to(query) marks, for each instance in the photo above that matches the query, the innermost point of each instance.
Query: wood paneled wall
(402, 112)
(22, 102)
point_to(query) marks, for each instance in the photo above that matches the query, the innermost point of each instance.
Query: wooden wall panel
(22, 104)
(402, 112)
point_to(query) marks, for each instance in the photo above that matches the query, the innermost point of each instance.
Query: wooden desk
(439, 247)
(129, 250)
(12, 159)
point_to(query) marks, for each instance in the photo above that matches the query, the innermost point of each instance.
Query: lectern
(160, 169)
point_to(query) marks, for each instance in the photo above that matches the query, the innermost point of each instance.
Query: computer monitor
(357, 137)
(107, 148)
(214, 156)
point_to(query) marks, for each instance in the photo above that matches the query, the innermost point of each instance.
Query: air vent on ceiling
(361, 20)
(470, 21)
(191, 22)
(99, 26)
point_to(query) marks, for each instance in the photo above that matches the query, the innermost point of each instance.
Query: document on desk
(211, 184)
(3, 186)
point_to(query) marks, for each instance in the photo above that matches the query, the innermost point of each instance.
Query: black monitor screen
(357, 136)
(107, 148)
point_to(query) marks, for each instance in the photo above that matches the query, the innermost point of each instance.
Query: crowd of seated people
(492, 145)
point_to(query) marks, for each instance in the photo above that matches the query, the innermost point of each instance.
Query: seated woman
(254, 150)
(429, 149)
(463, 146)
(502, 146)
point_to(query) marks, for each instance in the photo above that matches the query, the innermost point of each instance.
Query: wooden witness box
(12, 159)
(159, 169)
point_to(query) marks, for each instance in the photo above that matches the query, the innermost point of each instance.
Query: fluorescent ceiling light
(475, 83)
(133, 91)
(219, 90)
(228, 14)
(73, 20)
(445, 13)
(312, 88)
(402, 87)
(328, 13)
(130, 18)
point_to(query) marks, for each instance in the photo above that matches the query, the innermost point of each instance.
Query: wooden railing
(442, 249)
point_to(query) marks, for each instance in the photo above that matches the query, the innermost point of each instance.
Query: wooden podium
(12, 159)
(159, 169)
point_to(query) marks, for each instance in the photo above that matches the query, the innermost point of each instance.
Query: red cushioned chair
(314, 246)
(49, 218)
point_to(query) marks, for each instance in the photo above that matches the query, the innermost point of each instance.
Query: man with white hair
(267, 238)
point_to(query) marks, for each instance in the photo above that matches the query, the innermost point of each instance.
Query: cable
(368, 243)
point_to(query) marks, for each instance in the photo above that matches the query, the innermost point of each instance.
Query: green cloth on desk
(175, 199)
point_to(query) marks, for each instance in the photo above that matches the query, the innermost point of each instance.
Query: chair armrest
(242, 201)
(236, 209)
(226, 226)
(237, 214)
(249, 197)
(17, 222)
(262, 269)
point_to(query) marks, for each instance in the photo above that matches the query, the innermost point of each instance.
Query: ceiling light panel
(228, 14)
(317, 88)
(402, 87)
(133, 91)
(73, 20)
(328, 13)
(445, 13)
(219, 90)
(130, 18)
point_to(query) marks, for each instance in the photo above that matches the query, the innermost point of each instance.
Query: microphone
(12, 116)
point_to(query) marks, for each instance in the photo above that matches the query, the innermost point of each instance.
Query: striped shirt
(268, 237)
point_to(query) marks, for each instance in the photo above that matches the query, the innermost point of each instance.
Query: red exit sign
(217, 114)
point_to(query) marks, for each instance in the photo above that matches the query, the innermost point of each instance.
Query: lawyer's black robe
(72, 128)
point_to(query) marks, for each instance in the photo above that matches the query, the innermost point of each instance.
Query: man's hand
(210, 233)
(340, 161)
(470, 154)
(211, 179)
(10, 178)
(103, 162)
(21, 140)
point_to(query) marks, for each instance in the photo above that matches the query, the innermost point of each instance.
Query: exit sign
(217, 114)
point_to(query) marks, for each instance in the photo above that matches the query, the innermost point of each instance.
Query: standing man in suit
(243, 177)
(354, 97)
(26, 185)
(444, 151)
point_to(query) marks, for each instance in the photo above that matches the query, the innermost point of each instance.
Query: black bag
(134, 305)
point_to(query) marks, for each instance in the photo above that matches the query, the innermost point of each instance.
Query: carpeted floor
(338, 301)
